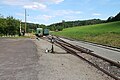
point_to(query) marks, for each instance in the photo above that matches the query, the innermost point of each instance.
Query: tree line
(10, 26)
(60, 26)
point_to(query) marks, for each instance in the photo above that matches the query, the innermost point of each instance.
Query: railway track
(107, 66)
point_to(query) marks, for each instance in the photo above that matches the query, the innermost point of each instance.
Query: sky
(53, 11)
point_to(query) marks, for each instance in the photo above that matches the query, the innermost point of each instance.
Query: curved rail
(73, 48)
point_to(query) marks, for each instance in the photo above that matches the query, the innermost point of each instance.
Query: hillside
(67, 24)
(107, 33)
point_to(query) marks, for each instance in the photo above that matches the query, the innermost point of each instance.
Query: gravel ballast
(64, 66)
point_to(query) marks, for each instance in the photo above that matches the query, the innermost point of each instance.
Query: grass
(106, 34)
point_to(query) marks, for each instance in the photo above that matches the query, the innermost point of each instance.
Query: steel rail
(74, 53)
(90, 52)
(66, 46)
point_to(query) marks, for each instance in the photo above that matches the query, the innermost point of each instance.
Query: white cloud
(23, 2)
(13, 2)
(35, 5)
(72, 18)
(20, 14)
(47, 17)
(31, 4)
(33, 22)
(66, 12)
(96, 14)
(49, 1)
(55, 14)
(56, 1)
(43, 17)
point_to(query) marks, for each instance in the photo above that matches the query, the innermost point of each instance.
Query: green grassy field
(107, 33)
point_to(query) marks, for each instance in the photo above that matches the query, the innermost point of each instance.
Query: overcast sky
(52, 11)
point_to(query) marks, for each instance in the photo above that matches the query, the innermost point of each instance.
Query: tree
(110, 19)
(12, 26)
(3, 25)
(117, 17)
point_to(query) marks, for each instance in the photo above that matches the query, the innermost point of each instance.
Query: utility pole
(63, 23)
(20, 27)
(25, 21)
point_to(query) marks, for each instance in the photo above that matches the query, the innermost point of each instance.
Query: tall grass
(107, 33)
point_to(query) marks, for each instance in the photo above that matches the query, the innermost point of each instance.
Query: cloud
(23, 2)
(35, 5)
(96, 14)
(30, 21)
(56, 1)
(20, 14)
(72, 17)
(47, 17)
(31, 4)
(28, 4)
(13, 2)
(43, 17)
(52, 14)
(66, 12)
(49, 1)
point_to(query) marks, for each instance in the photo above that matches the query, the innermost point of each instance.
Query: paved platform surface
(107, 53)
(18, 59)
(26, 59)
